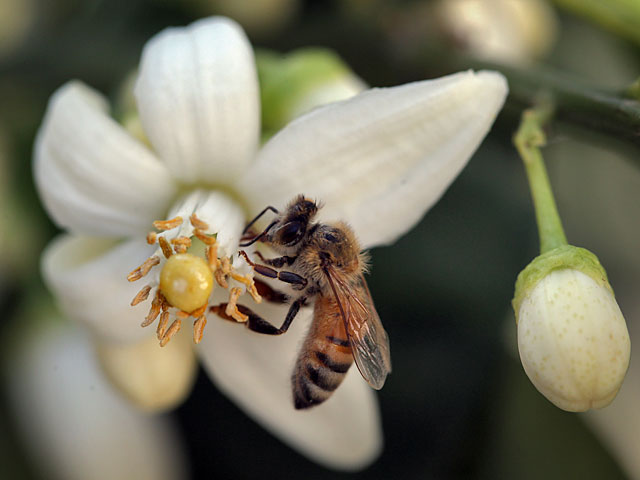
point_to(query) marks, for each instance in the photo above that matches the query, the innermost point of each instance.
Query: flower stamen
(151, 238)
(232, 307)
(141, 296)
(198, 328)
(203, 237)
(162, 325)
(247, 280)
(197, 223)
(211, 255)
(173, 329)
(164, 225)
(223, 267)
(154, 311)
(166, 248)
(143, 269)
(181, 244)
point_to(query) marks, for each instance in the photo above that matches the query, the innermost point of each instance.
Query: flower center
(186, 280)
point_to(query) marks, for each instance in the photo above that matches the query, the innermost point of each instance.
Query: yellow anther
(198, 328)
(197, 223)
(173, 329)
(203, 237)
(143, 269)
(151, 238)
(166, 248)
(232, 307)
(162, 325)
(168, 224)
(141, 296)
(247, 280)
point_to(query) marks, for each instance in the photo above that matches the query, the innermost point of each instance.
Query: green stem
(619, 16)
(527, 140)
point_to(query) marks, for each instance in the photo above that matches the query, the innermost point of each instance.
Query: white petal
(89, 278)
(152, 377)
(224, 216)
(74, 427)
(198, 99)
(255, 371)
(381, 159)
(95, 178)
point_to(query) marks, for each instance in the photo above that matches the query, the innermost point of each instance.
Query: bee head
(294, 222)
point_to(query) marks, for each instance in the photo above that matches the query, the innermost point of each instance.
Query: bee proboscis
(323, 263)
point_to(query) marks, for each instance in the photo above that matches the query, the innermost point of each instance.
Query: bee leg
(258, 324)
(270, 294)
(277, 262)
(298, 281)
(257, 217)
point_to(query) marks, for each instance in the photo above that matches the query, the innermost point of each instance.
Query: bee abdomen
(317, 376)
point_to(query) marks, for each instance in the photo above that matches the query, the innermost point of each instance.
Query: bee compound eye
(291, 232)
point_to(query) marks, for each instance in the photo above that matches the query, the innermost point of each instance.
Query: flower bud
(515, 31)
(572, 337)
(293, 84)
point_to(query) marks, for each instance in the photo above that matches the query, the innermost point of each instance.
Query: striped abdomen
(325, 357)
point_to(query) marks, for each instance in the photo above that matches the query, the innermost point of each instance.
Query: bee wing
(367, 337)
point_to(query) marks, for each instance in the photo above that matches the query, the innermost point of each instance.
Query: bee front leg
(258, 324)
(297, 281)
(278, 262)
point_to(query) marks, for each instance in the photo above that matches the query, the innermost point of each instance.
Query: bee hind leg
(258, 324)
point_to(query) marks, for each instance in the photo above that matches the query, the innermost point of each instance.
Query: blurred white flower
(71, 423)
(379, 161)
(257, 17)
(504, 30)
(17, 18)
(572, 337)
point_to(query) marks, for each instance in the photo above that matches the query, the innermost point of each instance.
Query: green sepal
(565, 256)
(285, 80)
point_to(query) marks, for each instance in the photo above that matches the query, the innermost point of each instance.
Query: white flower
(507, 30)
(379, 161)
(72, 425)
(573, 340)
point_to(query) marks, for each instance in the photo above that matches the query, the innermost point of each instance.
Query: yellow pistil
(186, 281)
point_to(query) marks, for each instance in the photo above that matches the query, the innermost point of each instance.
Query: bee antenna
(273, 209)
(258, 237)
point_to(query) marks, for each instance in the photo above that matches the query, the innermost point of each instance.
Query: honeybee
(324, 265)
